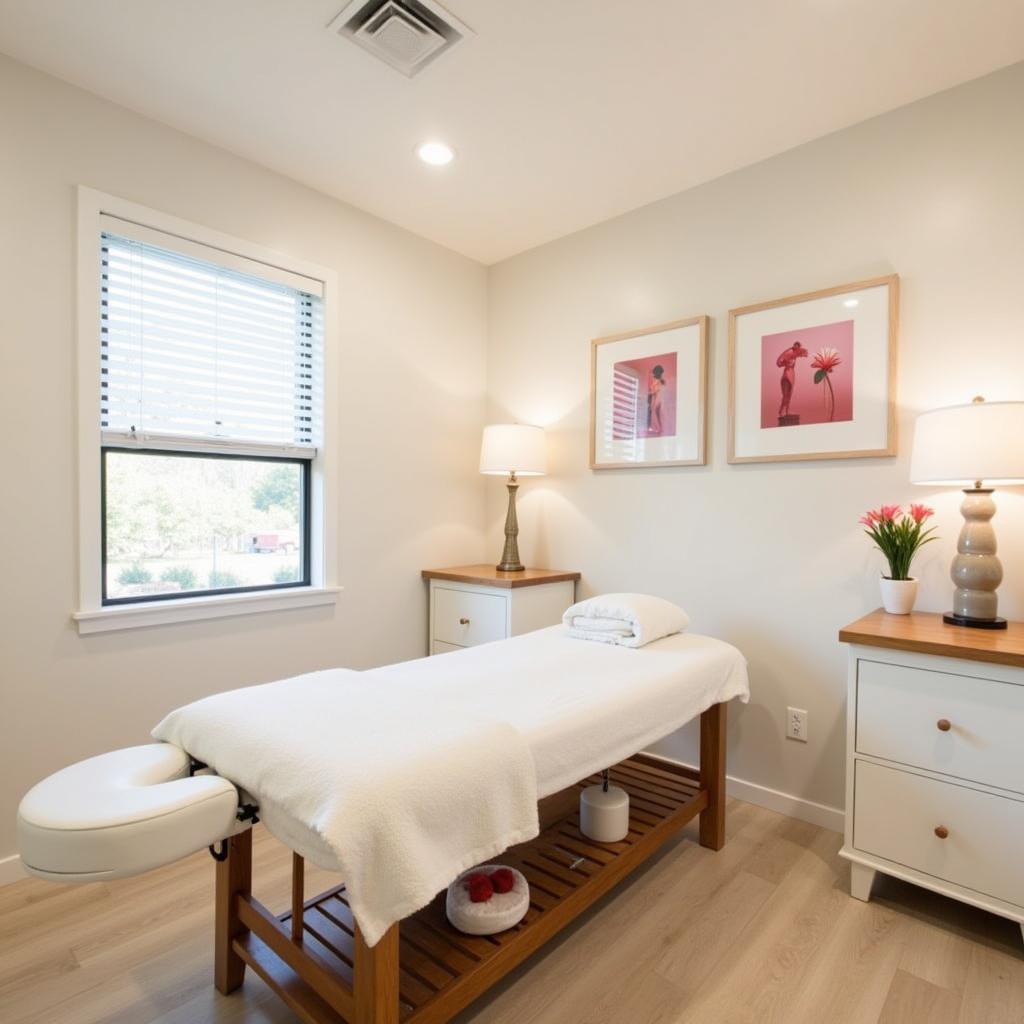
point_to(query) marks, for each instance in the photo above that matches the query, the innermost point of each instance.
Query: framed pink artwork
(813, 376)
(647, 396)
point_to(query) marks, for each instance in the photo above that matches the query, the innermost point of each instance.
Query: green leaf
(819, 376)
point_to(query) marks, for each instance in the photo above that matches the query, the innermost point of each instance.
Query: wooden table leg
(234, 878)
(712, 776)
(298, 895)
(376, 979)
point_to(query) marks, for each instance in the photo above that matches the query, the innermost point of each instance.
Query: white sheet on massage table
(582, 706)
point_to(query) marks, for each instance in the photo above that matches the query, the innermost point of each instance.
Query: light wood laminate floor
(763, 931)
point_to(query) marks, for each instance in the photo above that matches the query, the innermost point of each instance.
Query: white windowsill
(192, 609)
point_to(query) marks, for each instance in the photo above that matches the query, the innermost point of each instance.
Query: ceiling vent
(407, 34)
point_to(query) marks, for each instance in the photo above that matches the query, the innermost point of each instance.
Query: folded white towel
(588, 622)
(404, 788)
(630, 620)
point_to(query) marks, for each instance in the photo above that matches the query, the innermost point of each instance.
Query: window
(204, 477)
(185, 523)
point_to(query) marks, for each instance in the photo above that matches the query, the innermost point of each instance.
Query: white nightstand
(935, 758)
(473, 604)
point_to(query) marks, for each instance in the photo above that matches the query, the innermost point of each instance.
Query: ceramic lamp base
(952, 619)
(976, 571)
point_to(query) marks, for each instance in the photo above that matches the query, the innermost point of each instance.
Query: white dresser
(474, 604)
(935, 758)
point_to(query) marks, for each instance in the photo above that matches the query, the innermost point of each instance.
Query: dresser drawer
(466, 618)
(896, 814)
(439, 647)
(902, 713)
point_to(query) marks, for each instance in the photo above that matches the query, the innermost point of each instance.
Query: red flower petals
(503, 880)
(919, 513)
(898, 534)
(826, 360)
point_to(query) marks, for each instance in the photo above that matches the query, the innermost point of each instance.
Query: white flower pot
(898, 596)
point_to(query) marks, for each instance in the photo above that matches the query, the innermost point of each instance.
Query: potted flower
(898, 535)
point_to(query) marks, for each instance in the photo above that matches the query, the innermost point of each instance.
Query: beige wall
(411, 320)
(770, 557)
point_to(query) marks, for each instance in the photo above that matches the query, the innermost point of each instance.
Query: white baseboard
(785, 803)
(11, 869)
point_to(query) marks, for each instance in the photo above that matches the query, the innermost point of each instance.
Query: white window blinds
(625, 403)
(203, 348)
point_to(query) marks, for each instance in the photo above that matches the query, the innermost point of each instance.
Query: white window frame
(94, 617)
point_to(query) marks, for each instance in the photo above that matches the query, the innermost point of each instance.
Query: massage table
(581, 707)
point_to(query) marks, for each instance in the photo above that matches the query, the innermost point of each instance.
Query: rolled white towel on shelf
(629, 620)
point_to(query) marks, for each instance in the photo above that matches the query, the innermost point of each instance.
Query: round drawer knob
(463, 622)
(941, 831)
(944, 725)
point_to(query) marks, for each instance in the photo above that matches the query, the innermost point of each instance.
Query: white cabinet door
(896, 814)
(466, 618)
(903, 714)
(439, 647)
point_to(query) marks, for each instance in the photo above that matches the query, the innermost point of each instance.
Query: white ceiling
(563, 112)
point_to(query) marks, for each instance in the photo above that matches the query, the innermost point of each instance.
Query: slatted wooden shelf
(440, 969)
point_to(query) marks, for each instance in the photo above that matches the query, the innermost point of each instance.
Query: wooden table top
(926, 633)
(489, 576)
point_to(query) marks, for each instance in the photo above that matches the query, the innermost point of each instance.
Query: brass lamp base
(510, 555)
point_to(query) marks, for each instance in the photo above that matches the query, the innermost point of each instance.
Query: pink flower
(827, 359)
(887, 513)
(869, 518)
(919, 513)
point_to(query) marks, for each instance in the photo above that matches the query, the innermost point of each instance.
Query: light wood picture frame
(813, 376)
(648, 396)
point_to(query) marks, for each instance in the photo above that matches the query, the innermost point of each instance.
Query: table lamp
(972, 446)
(518, 450)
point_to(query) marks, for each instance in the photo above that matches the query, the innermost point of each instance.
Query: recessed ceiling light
(436, 153)
(851, 303)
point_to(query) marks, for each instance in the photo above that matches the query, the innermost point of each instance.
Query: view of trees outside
(185, 523)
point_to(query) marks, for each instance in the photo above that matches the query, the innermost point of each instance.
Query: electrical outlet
(796, 724)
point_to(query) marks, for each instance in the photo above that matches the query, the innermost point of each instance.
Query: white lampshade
(513, 448)
(963, 443)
